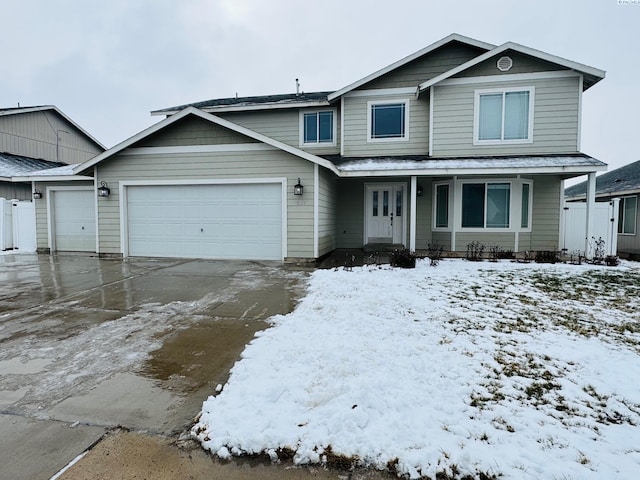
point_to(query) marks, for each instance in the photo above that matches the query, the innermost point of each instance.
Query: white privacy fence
(17, 225)
(605, 227)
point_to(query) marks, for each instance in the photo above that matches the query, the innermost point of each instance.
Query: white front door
(385, 213)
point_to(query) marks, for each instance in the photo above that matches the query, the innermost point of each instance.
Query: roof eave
(50, 178)
(573, 170)
(409, 58)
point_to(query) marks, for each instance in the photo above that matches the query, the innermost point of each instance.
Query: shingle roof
(623, 179)
(16, 165)
(282, 99)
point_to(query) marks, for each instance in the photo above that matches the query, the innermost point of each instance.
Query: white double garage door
(225, 221)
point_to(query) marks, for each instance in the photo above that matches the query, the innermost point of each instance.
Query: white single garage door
(74, 220)
(230, 221)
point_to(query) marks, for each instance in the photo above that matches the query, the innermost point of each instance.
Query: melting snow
(527, 371)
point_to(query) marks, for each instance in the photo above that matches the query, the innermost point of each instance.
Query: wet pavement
(88, 344)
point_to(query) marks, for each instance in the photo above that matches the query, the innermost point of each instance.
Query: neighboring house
(622, 183)
(38, 138)
(458, 142)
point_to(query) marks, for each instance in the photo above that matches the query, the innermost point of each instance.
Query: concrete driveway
(87, 344)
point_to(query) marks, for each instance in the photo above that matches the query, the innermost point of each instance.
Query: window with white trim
(318, 128)
(486, 205)
(388, 120)
(503, 116)
(627, 213)
(526, 206)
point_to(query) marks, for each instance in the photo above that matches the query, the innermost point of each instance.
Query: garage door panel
(235, 221)
(74, 224)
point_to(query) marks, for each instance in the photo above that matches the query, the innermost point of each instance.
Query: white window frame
(405, 137)
(334, 131)
(635, 218)
(435, 226)
(515, 205)
(476, 116)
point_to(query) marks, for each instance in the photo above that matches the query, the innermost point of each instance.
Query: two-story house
(461, 141)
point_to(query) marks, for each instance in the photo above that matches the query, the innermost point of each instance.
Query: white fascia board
(383, 92)
(413, 56)
(185, 149)
(213, 119)
(473, 171)
(517, 48)
(506, 77)
(52, 178)
(248, 108)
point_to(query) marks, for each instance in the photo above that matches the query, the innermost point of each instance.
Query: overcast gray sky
(108, 63)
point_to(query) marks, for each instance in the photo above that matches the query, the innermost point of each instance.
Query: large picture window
(486, 205)
(388, 121)
(504, 116)
(318, 128)
(627, 213)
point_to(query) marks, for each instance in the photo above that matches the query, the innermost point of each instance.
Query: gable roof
(213, 119)
(591, 75)
(287, 100)
(17, 165)
(43, 108)
(621, 181)
(454, 37)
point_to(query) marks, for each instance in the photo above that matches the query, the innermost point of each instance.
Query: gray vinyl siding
(201, 166)
(284, 126)
(42, 227)
(545, 221)
(194, 130)
(15, 191)
(521, 64)
(350, 213)
(426, 67)
(424, 214)
(327, 210)
(505, 241)
(355, 131)
(555, 124)
(34, 135)
(631, 243)
(442, 238)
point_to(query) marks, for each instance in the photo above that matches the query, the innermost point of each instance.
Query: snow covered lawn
(518, 371)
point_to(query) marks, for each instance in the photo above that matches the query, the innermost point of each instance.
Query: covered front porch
(514, 205)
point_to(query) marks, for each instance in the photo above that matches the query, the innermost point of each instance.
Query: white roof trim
(517, 48)
(213, 119)
(43, 108)
(431, 172)
(413, 56)
(50, 178)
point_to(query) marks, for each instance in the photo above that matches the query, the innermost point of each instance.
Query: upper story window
(503, 116)
(318, 128)
(388, 120)
(627, 213)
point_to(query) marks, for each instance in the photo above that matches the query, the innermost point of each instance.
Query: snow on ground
(523, 371)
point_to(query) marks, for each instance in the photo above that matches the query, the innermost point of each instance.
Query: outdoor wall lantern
(103, 191)
(298, 188)
(37, 194)
(419, 191)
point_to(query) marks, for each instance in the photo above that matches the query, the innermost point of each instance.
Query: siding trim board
(383, 92)
(234, 147)
(515, 77)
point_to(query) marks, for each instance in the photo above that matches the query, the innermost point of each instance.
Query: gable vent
(505, 64)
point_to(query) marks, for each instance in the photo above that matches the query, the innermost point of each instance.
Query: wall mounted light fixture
(37, 194)
(103, 191)
(419, 191)
(298, 188)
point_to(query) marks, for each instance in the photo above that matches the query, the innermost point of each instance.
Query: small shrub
(547, 256)
(475, 251)
(434, 252)
(612, 260)
(598, 250)
(403, 259)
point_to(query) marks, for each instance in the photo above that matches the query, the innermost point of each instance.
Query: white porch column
(412, 223)
(591, 207)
